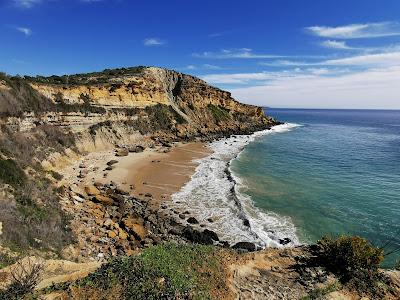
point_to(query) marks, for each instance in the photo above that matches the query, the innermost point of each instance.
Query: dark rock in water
(109, 168)
(224, 244)
(211, 234)
(196, 236)
(246, 222)
(285, 241)
(182, 216)
(245, 246)
(210, 220)
(192, 220)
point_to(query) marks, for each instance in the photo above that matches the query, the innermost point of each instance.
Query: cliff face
(80, 101)
(47, 121)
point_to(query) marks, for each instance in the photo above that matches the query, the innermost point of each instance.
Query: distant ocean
(323, 172)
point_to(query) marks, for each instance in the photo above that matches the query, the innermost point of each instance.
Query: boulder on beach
(211, 234)
(91, 190)
(122, 152)
(136, 149)
(196, 236)
(192, 220)
(134, 226)
(104, 200)
(112, 162)
(247, 246)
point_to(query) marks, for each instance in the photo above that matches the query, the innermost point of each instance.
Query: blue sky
(279, 53)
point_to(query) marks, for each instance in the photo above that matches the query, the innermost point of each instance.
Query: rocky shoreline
(108, 220)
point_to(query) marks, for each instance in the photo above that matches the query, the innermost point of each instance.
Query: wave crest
(214, 197)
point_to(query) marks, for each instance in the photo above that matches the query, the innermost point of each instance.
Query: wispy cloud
(332, 44)
(357, 31)
(238, 78)
(257, 78)
(211, 67)
(363, 88)
(26, 31)
(26, 3)
(241, 53)
(153, 42)
(390, 57)
(191, 67)
(368, 60)
(216, 34)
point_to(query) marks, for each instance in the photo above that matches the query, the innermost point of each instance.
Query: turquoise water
(338, 173)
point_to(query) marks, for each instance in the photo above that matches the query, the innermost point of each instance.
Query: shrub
(25, 276)
(11, 173)
(319, 293)
(219, 113)
(160, 114)
(57, 176)
(161, 272)
(346, 255)
(354, 260)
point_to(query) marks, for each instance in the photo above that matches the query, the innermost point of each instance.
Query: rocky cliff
(48, 121)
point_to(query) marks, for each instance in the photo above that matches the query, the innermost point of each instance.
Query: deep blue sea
(338, 172)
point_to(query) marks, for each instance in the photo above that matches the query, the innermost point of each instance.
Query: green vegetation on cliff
(87, 78)
(167, 271)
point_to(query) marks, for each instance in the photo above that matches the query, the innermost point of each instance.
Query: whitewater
(216, 197)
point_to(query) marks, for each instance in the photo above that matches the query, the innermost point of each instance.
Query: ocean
(323, 172)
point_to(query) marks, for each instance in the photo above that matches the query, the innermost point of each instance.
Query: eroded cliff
(50, 121)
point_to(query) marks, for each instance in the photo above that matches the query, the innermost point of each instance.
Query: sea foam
(214, 197)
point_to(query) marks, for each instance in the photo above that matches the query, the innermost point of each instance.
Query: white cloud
(287, 63)
(238, 78)
(258, 78)
(26, 3)
(211, 67)
(356, 31)
(191, 67)
(368, 60)
(374, 88)
(153, 42)
(24, 30)
(336, 45)
(244, 53)
(387, 58)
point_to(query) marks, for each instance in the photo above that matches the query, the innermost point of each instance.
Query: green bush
(11, 173)
(355, 261)
(161, 272)
(219, 113)
(57, 176)
(346, 255)
(161, 116)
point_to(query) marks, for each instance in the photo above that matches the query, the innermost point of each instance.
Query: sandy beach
(154, 172)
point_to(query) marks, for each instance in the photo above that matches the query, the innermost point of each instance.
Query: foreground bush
(162, 272)
(354, 260)
(25, 276)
